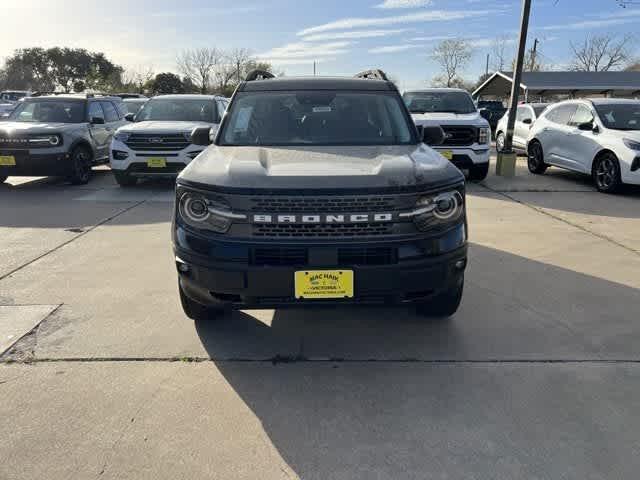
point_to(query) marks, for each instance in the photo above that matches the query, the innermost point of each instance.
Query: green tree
(166, 83)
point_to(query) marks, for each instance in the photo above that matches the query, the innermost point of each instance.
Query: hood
(443, 118)
(17, 128)
(162, 127)
(321, 167)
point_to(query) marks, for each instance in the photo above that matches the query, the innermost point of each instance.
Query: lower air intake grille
(279, 256)
(367, 256)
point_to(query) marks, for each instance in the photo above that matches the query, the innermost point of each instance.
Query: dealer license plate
(317, 284)
(156, 162)
(448, 154)
(7, 161)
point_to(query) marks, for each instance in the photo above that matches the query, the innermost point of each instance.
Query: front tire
(479, 172)
(196, 311)
(124, 180)
(606, 173)
(81, 166)
(444, 304)
(535, 159)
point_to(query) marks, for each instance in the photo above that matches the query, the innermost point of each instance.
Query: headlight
(484, 135)
(122, 136)
(632, 144)
(48, 140)
(437, 210)
(205, 213)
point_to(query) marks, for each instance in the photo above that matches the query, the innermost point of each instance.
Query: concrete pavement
(537, 375)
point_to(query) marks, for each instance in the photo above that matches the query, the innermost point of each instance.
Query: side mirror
(97, 121)
(586, 127)
(129, 117)
(201, 136)
(433, 135)
(527, 121)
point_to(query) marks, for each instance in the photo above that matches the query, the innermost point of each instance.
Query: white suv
(526, 115)
(599, 137)
(158, 142)
(467, 134)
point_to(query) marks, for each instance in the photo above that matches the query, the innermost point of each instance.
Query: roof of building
(316, 83)
(563, 82)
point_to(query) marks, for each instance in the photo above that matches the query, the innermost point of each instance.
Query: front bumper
(228, 275)
(467, 157)
(32, 164)
(136, 161)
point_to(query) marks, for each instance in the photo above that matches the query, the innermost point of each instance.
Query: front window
(49, 111)
(178, 110)
(436, 102)
(12, 96)
(316, 118)
(620, 116)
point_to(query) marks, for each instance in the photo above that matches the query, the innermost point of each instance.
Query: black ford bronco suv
(59, 135)
(319, 191)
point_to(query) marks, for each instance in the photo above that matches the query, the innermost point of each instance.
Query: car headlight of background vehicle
(205, 213)
(122, 136)
(438, 210)
(632, 144)
(46, 140)
(484, 135)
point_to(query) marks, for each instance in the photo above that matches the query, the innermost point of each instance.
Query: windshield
(48, 111)
(133, 107)
(178, 110)
(447, 102)
(316, 118)
(620, 116)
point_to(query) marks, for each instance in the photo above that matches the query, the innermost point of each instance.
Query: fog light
(119, 155)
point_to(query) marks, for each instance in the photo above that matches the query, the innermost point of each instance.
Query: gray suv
(61, 135)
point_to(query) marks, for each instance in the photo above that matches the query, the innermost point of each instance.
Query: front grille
(367, 256)
(22, 143)
(459, 136)
(328, 204)
(157, 143)
(279, 256)
(340, 230)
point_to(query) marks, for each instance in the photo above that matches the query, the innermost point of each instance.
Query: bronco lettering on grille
(320, 219)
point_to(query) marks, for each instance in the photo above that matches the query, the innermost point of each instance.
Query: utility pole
(486, 70)
(507, 158)
(534, 52)
(238, 71)
(314, 68)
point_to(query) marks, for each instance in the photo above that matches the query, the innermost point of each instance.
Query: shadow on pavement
(390, 415)
(50, 202)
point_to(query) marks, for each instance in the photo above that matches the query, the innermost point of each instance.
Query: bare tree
(453, 56)
(601, 53)
(138, 77)
(199, 64)
(232, 68)
(498, 52)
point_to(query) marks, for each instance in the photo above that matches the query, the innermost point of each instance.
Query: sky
(342, 36)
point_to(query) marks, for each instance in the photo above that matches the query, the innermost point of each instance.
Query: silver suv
(62, 135)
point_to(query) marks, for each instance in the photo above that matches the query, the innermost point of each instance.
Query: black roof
(316, 83)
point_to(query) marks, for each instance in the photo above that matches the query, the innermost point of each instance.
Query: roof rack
(259, 75)
(374, 74)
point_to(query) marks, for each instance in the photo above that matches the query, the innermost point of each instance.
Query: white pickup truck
(467, 134)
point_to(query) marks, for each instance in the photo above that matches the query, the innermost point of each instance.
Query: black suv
(319, 191)
(62, 135)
